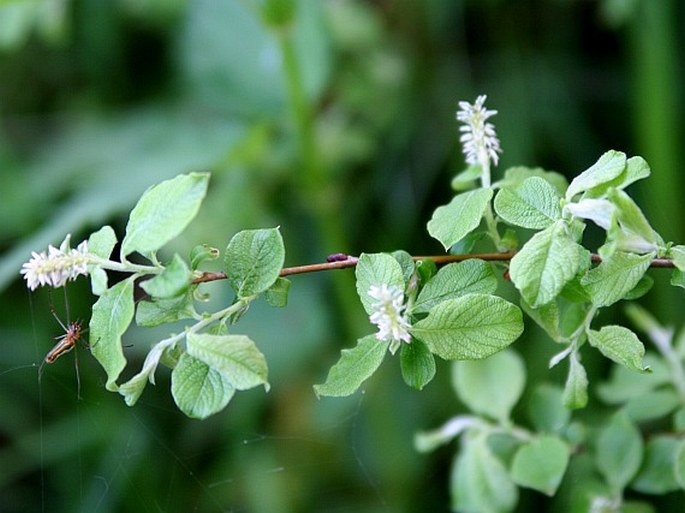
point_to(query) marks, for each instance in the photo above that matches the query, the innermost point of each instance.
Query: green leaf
(133, 388)
(546, 409)
(101, 243)
(355, 366)
(253, 261)
(480, 482)
(406, 263)
(652, 405)
(163, 212)
(620, 345)
(466, 180)
(417, 364)
(374, 270)
(679, 466)
(490, 387)
(615, 277)
(540, 464)
(534, 204)
(515, 176)
(452, 222)
(203, 253)
(678, 278)
(112, 314)
(277, 294)
(455, 280)
(657, 475)
(549, 260)
(636, 169)
(623, 385)
(619, 451)
(609, 166)
(677, 253)
(172, 282)
(165, 311)
(575, 390)
(198, 389)
(471, 327)
(235, 356)
(545, 316)
(630, 230)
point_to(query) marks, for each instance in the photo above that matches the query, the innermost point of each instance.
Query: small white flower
(388, 315)
(56, 266)
(479, 138)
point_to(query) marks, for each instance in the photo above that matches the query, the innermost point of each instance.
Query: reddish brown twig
(342, 261)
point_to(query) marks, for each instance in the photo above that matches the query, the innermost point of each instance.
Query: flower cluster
(388, 315)
(479, 139)
(56, 266)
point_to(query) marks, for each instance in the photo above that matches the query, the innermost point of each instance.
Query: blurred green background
(335, 120)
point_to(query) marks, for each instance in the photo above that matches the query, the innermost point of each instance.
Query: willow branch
(343, 261)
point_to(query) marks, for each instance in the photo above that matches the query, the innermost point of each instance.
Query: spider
(65, 343)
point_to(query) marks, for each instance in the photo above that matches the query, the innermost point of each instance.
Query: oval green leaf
(471, 327)
(199, 390)
(253, 261)
(353, 368)
(112, 315)
(452, 222)
(235, 356)
(163, 212)
(490, 387)
(541, 464)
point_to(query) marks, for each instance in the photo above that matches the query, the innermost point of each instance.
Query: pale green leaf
(657, 474)
(490, 387)
(452, 222)
(515, 176)
(609, 166)
(620, 345)
(545, 316)
(636, 169)
(470, 327)
(455, 280)
(480, 482)
(547, 262)
(619, 451)
(112, 314)
(173, 281)
(466, 180)
(615, 277)
(277, 294)
(202, 253)
(198, 389)
(235, 356)
(575, 390)
(534, 204)
(353, 368)
(623, 385)
(631, 230)
(679, 466)
(546, 409)
(678, 255)
(540, 464)
(163, 212)
(101, 243)
(417, 364)
(374, 270)
(253, 261)
(652, 405)
(164, 311)
(406, 263)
